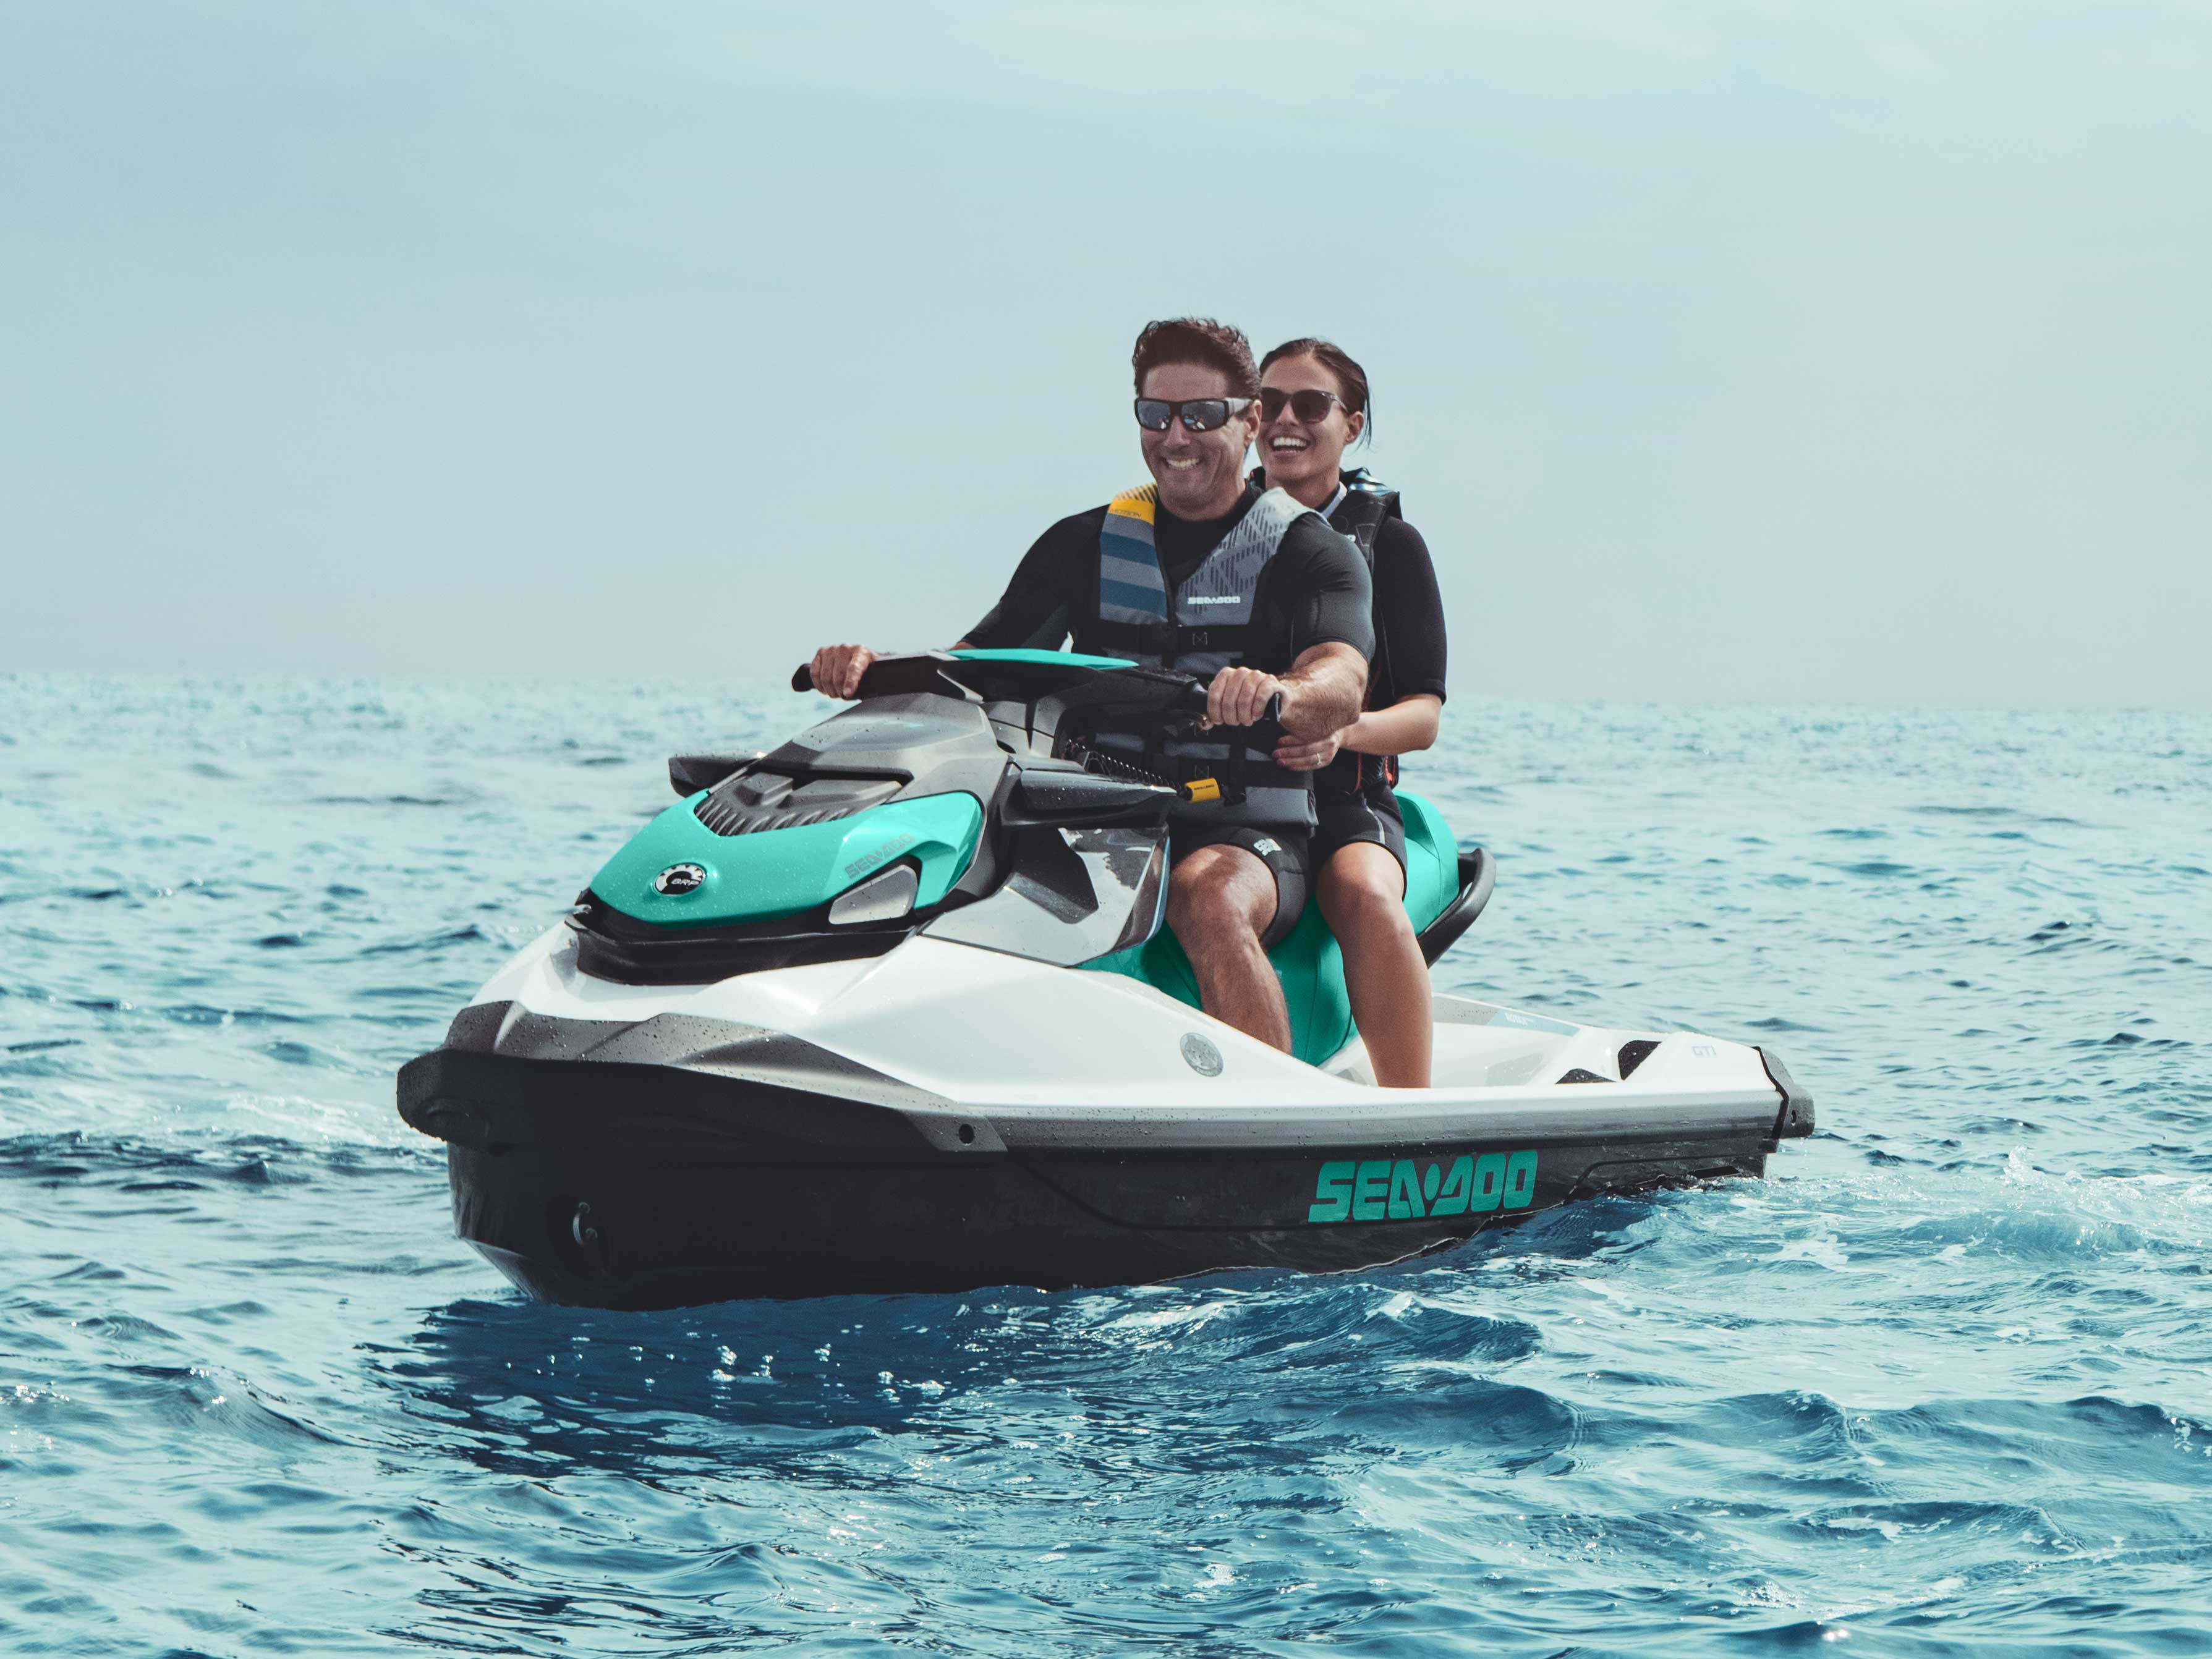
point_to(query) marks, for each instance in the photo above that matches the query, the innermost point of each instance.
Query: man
(1200, 573)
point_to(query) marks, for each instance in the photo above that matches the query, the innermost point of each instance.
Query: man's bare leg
(1220, 899)
(1363, 896)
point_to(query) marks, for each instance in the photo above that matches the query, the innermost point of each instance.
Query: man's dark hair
(1199, 340)
(1351, 379)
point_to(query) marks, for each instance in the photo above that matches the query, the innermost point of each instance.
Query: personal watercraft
(892, 1008)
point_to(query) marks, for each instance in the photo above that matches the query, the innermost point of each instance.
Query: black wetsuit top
(1316, 591)
(1409, 613)
(1409, 654)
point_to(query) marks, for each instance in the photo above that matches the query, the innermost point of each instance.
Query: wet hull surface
(570, 1226)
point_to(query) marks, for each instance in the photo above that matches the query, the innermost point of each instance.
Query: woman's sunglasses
(1198, 414)
(1311, 408)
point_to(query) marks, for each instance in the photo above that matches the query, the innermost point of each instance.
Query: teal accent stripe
(1131, 588)
(1065, 658)
(1124, 550)
(1147, 602)
(1141, 572)
(1130, 585)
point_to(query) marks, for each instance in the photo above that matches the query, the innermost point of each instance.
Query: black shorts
(1287, 853)
(1370, 812)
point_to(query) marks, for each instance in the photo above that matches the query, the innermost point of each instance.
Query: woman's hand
(1294, 755)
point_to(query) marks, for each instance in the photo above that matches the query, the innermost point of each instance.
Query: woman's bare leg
(1362, 895)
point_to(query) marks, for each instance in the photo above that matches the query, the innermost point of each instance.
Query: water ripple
(1936, 1387)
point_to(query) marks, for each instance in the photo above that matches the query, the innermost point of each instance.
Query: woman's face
(1291, 451)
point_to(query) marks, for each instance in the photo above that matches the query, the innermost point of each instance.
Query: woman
(1314, 404)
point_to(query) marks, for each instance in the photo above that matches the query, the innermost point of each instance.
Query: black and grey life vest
(1204, 630)
(1200, 629)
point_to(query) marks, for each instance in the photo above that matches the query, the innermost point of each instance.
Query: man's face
(1201, 474)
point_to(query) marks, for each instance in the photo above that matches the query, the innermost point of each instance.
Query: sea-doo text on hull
(892, 1008)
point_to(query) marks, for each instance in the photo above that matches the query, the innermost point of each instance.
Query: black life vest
(1367, 502)
(1360, 516)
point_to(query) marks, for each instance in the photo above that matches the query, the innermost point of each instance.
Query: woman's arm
(1406, 728)
(1409, 612)
(1406, 725)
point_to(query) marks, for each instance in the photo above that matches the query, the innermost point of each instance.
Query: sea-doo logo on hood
(878, 852)
(677, 879)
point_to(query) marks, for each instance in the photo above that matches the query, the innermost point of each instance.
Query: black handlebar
(1191, 701)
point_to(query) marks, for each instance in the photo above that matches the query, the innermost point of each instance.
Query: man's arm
(1033, 611)
(1321, 692)
(1332, 623)
(1324, 691)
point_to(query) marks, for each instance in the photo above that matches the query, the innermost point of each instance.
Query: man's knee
(1213, 892)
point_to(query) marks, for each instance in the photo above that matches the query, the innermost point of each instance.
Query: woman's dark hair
(1199, 340)
(1351, 379)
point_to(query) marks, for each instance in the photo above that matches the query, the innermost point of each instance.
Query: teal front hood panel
(778, 873)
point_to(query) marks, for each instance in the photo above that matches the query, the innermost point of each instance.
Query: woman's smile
(1301, 456)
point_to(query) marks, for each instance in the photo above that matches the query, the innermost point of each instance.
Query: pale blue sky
(1722, 350)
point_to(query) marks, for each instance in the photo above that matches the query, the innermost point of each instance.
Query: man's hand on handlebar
(837, 669)
(1238, 696)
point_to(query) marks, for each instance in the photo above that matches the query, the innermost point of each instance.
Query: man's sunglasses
(1311, 408)
(1199, 414)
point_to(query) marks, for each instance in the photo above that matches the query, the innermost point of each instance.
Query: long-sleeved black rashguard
(1409, 618)
(1408, 659)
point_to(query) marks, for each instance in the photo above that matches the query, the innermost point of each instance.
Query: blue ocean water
(1942, 1383)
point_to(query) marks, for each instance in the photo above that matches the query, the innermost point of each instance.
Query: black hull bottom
(569, 1224)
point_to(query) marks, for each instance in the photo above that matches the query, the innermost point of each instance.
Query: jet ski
(892, 1008)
